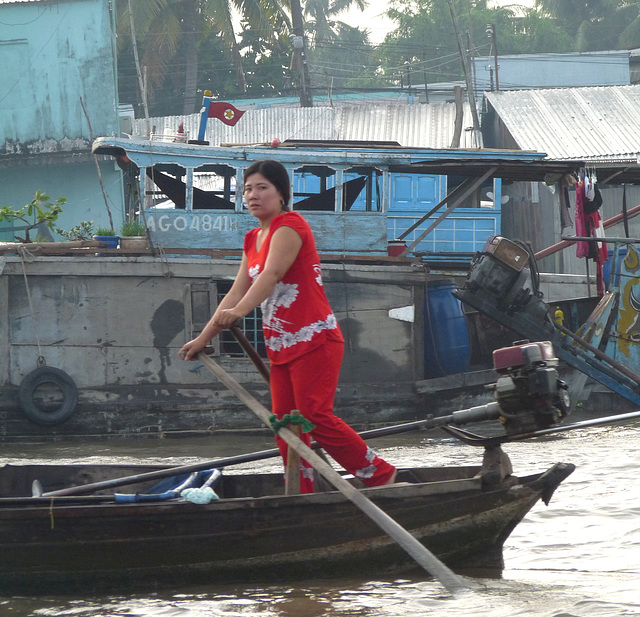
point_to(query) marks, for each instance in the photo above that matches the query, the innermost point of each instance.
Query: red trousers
(309, 384)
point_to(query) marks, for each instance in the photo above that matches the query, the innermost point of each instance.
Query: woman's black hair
(276, 173)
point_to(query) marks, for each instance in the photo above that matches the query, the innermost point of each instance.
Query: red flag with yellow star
(225, 112)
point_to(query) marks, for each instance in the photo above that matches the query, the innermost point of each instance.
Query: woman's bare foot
(392, 479)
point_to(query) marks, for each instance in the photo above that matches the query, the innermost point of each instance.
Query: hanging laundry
(589, 224)
(592, 204)
(589, 187)
(563, 196)
(592, 195)
(582, 247)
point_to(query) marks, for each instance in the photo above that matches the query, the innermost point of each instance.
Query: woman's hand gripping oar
(420, 554)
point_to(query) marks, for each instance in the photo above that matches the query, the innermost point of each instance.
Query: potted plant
(133, 235)
(108, 237)
(82, 231)
(38, 212)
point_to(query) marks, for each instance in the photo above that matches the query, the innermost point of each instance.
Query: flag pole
(204, 114)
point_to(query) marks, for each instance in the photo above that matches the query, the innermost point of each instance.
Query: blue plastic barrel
(446, 336)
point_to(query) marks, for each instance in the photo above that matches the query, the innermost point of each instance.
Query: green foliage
(534, 33)
(105, 231)
(39, 210)
(347, 59)
(597, 24)
(426, 40)
(133, 228)
(171, 36)
(266, 64)
(82, 231)
(186, 46)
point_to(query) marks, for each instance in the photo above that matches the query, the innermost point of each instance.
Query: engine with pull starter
(503, 282)
(529, 395)
(529, 398)
(529, 392)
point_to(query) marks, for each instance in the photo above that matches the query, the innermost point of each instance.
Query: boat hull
(89, 544)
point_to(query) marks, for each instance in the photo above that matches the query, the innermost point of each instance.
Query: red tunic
(296, 317)
(305, 346)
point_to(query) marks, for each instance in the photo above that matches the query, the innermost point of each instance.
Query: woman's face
(263, 199)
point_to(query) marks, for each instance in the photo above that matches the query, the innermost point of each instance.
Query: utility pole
(467, 75)
(491, 33)
(300, 55)
(407, 65)
(424, 73)
(141, 82)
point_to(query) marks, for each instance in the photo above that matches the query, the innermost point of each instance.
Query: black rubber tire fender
(42, 375)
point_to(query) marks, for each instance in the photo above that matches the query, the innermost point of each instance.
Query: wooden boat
(90, 543)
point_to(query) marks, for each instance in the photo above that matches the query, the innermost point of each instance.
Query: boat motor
(529, 392)
(504, 276)
(529, 395)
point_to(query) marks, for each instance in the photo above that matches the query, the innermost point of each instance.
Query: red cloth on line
(590, 225)
(296, 317)
(308, 384)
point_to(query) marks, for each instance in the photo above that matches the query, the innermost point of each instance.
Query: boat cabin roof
(509, 165)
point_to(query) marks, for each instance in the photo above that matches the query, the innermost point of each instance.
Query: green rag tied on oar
(288, 419)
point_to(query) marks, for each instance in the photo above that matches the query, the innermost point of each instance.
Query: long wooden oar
(148, 476)
(251, 351)
(464, 416)
(420, 553)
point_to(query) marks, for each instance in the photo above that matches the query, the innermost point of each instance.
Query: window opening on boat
(476, 199)
(315, 189)
(363, 190)
(214, 187)
(251, 326)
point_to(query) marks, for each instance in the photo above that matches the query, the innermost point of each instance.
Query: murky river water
(580, 556)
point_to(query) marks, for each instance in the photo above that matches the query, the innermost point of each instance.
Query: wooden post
(292, 473)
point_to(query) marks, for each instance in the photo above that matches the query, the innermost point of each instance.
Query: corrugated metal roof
(594, 124)
(419, 126)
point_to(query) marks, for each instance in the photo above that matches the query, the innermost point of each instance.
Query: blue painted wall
(465, 230)
(57, 57)
(53, 55)
(397, 199)
(524, 71)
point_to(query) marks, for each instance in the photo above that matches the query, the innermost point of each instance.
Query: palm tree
(170, 31)
(572, 13)
(321, 16)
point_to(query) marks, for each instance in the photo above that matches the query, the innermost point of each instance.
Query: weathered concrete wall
(57, 57)
(78, 183)
(115, 325)
(58, 90)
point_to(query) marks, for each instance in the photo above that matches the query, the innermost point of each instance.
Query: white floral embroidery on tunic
(370, 470)
(318, 271)
(366, 472)
(285, 294)
(288, 339)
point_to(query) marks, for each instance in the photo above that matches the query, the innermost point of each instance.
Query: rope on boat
(164, 262)
(44, 374)
(27, 255)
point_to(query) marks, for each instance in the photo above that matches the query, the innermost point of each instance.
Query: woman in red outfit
(280, 271)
